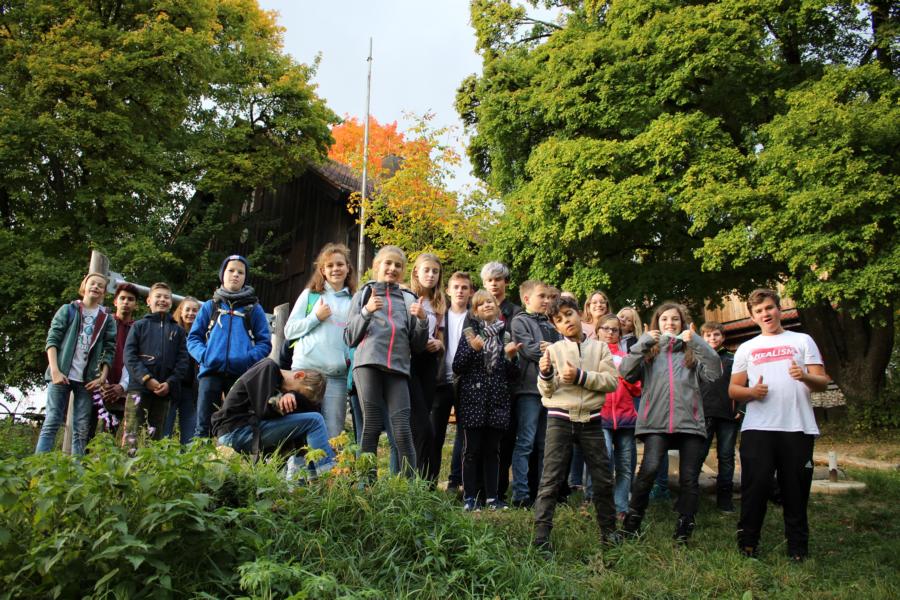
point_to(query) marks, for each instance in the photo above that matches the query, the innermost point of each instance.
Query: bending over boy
(261, 412)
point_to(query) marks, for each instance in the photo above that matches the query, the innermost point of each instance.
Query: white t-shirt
(432, 318)
(787, 406)
(83, 343)
(454, 323)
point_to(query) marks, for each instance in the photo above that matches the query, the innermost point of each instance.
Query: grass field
(169, 523)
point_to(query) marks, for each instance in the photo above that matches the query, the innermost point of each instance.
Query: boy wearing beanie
(229, 335)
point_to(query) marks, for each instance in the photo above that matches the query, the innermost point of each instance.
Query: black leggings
(422, 385)
(690, 451)
(482, 456)
(380, 393)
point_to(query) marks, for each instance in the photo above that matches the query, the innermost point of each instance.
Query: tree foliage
(112, 115)
(675, 149)
(410, 204)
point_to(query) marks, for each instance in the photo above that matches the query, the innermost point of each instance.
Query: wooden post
(281, 312)
(832, 467)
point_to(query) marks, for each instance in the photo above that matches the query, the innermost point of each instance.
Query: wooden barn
(302, 214)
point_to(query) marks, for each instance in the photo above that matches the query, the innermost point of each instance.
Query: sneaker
(611, 538)
(798, 558)
(749, 551)
(524, 504)
(631, 525)
(683, 529)
(494, 504)
(470, 505)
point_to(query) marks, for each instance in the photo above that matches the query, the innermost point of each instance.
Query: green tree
(638, 144)
(112, 115)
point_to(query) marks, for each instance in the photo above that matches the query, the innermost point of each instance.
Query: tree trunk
(856, 350)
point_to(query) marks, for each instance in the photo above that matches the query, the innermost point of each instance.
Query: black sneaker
(611, 538)
(525, 504)
(683, 529)
(631, 525)
(798, 558)
(494, 504)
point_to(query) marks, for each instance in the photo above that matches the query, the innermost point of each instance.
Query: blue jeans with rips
(289, 428)
(57, 403)
(620, 447)
(530, 436)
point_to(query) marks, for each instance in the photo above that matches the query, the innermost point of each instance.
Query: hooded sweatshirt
(670, 396)
(320, 344)
(386, 338)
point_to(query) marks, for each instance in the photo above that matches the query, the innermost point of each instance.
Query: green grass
(174, 523)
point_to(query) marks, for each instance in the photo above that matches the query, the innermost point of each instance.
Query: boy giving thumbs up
(575, 375)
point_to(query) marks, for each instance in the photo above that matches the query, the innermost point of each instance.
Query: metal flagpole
(361, 252)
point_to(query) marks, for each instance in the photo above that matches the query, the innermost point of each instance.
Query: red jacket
(618, 410)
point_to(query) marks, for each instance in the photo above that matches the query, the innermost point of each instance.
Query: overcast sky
(422, 50)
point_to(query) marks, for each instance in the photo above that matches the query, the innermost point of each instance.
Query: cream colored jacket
(580, 401)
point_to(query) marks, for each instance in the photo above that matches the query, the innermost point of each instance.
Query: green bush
(171, 523)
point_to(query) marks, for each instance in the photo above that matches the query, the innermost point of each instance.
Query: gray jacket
(670, 395)
(387, 338)
(530, 330)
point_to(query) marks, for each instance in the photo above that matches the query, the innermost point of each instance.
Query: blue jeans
(289, 428)
(209, 398)
(185, 405)
(57, 402)
(531, 432)
(620, 447)
(334, 405)
(725, 431)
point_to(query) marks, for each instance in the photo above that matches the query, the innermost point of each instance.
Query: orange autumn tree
(409, 204)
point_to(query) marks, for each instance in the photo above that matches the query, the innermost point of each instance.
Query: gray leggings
(383, 393)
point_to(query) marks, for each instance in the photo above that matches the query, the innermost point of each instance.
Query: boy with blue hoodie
(229, 335)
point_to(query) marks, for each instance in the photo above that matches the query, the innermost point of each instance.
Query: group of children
(555, 393)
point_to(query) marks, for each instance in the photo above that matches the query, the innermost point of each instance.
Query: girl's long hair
(587, 317)
(178, 315)
(434, 295)
(689, 361)
(316, 281)
(635, 320)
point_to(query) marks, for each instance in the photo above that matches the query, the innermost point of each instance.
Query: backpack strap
(245, 312)
(311, 301)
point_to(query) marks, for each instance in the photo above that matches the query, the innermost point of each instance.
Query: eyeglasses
(609, 329)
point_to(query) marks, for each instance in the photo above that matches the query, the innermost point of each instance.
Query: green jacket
(63, 333)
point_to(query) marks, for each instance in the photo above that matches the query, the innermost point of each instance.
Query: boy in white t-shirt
(81, 345)
(779, 429)
(459, 289)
